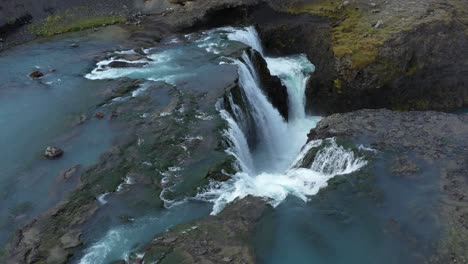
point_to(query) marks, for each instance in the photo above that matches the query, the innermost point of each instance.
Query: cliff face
(394, 54)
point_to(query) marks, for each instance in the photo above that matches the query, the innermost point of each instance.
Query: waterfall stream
(267, 166)
(268, 169)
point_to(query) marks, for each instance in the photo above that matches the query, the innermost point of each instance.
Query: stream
(305, 224)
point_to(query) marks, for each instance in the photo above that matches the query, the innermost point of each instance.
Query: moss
(67, 22)
(353, 34)
(337, 85)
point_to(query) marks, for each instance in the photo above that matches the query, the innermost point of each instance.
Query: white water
(271, 169)
(247, 35)
(294, 71)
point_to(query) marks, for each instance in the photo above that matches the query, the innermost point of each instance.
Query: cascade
(271, 169)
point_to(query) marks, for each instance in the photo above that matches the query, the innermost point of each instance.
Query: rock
(71, 172)
(429, 147)
(36, 74)
(71, 239)
(197, 244)
(378, 24)
(74, 45)
(405, 167)
(373, 4)
(344, 4)
(82, 118)
(123, 64)
(99, 115)
(53, 152)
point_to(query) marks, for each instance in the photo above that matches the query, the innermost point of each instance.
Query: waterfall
(294, 71)
(270, 125)
(271, 169)
(247, 35)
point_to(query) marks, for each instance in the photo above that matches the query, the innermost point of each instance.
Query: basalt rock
(287, 34)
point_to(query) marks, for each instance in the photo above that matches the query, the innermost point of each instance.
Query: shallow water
(37, 113)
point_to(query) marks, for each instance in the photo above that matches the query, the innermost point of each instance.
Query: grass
(67, 22)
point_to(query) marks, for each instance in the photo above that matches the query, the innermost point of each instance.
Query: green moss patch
(354, 35)
(68, 22)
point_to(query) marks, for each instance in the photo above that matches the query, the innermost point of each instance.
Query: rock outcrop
(418, 62)
(438, 139)
(215, 239)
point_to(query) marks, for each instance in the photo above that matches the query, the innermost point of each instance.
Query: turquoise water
(37, 113)
(365, 219)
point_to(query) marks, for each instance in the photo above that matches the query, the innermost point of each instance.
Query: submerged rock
(36, 74)
(71, 172)
(53, 152)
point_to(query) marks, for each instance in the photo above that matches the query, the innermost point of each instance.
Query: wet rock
(74, 45)
(82, 118)
(404, 167)
(53, 152)
(71, 172)
(99, 115)
(126, 219)
(123, 64)
(378, 24)
(344, 4)
(36, 74)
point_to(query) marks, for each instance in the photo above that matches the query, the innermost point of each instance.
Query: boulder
(53, 152)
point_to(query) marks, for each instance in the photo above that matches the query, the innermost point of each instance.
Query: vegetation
(354, 35)
(68, 22)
